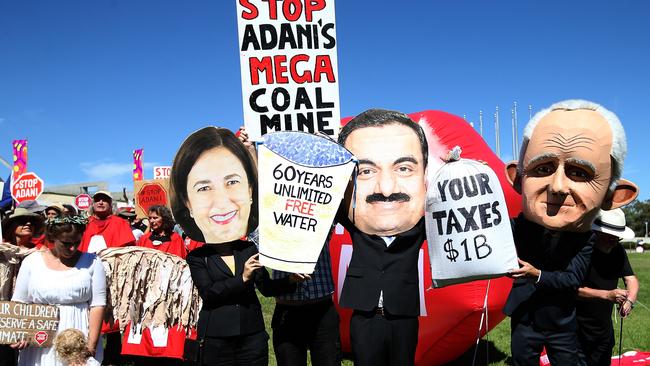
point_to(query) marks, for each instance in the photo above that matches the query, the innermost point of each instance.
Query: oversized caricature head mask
(390, 186)
(570, 165)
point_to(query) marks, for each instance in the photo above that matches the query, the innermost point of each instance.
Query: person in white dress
(63, 276)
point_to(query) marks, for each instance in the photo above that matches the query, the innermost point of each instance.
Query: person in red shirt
(161, 233)
(157, 346)
(106, 230)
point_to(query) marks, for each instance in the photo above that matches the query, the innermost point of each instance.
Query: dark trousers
(246, 350)
(113, 349)
(313, 327)
(8, 355)
(596, 350)
(526, 345)
(383, 339)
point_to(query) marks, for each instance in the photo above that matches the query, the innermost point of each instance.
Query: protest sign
(289, 66)
(302, 178)
(28, 186)
(468, 230)
(36, 323)
(149, 193)
(83, 201)
(137, 165)
(162, 172)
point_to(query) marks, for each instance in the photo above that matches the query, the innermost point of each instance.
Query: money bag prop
(468, 229)
(302, 179)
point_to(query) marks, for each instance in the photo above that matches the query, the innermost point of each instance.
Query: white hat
(612, 222)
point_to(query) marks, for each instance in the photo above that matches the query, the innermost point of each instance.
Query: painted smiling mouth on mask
(224, 219)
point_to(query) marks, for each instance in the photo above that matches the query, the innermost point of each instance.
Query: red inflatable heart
(451, 316)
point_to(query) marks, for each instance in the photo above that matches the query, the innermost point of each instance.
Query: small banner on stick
(302, 178)
(137, 165)
(36, 323)
(20, 158)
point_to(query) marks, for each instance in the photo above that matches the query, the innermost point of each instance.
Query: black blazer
(563, 258)
(375, 267)
(230, 306)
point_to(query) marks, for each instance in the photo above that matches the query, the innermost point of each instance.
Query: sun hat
(105, 193)
(56, 206)
(613, 223)
(36, 219)
(31, 206)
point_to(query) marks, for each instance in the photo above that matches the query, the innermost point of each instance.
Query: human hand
(626, 308)
(299, 277)
(617, 295)
(20, 345)
(526, 270)
(251, 265)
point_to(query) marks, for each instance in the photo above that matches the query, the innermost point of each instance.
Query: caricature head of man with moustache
(570, 166)
(390, 187)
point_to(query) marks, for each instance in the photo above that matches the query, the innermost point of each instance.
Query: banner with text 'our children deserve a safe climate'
(289, 66)
(302, 179)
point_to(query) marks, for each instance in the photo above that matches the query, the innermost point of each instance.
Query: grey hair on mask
(619, 142)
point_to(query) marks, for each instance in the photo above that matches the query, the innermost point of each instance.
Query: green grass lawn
(495, 346)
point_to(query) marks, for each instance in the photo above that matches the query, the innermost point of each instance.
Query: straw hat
(613, 223)
(36, 219)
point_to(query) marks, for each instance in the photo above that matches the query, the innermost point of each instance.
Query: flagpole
(496, 131)
(480, 122)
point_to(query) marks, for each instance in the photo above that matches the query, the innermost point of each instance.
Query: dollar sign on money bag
(452, 253)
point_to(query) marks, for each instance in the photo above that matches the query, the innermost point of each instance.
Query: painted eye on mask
(578, 174)
(541, 170)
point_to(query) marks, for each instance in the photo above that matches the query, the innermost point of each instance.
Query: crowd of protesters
(212, 224)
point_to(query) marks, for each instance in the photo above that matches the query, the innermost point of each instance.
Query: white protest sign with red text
(83, 201)
(162, 172)
(289, 66)
(28, 186)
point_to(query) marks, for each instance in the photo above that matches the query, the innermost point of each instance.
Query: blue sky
(86, 82)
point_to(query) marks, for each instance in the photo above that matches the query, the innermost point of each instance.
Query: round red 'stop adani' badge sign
(83, 201)
(149, 195)
(28, 186)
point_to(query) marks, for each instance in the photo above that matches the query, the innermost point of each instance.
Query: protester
(135, 223)
(213, 183)
(306, 320)
(157, 346)
(54, 210)
(387, 228)
(107, 230)
(22, 228)
(69, 210)
(570, 166)
(72, 348)
(68, 278)
(599, 291)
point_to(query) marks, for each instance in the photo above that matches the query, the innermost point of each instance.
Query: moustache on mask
(394, 197)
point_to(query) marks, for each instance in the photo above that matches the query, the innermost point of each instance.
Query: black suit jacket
(375, 267)
(230, 306)
(563, 258)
